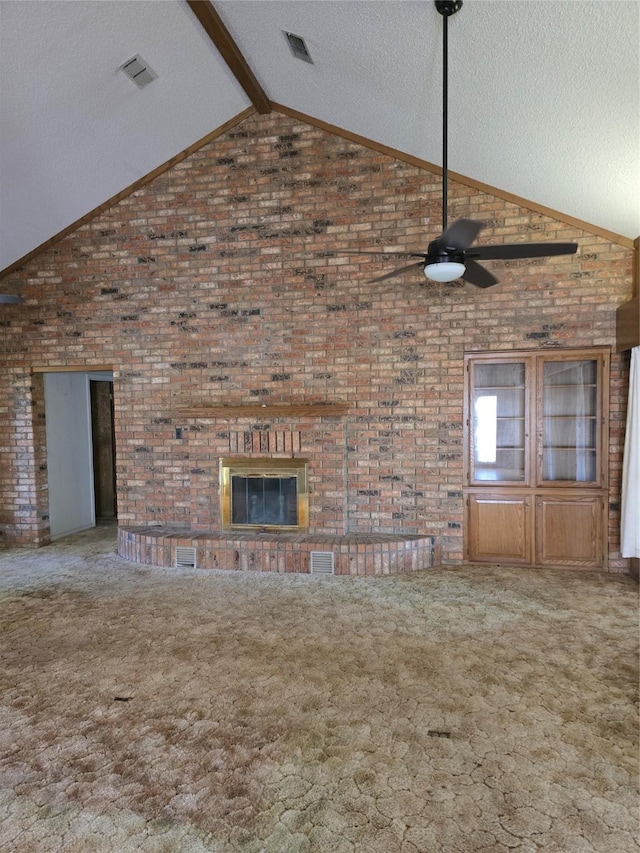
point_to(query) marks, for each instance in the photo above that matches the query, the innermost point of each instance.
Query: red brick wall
(217, 284)
(23, 484)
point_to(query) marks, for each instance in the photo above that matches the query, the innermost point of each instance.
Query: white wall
(69, 452)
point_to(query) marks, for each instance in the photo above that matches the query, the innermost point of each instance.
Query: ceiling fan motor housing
(442, 255)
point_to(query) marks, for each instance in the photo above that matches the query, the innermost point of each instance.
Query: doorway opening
(80, 449)
(104, 449)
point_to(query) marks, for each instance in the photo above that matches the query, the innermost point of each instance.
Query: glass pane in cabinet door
(507, 375)
(498, 422)
(569, 421)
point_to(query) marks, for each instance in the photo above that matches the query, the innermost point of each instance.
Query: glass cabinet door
(569, 433)
(498, 422)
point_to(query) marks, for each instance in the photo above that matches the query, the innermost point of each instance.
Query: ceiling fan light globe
(444, 270)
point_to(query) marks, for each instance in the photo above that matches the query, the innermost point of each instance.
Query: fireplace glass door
(264, 501)
(264, 494)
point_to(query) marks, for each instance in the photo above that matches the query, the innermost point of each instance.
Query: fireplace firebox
(264, 494)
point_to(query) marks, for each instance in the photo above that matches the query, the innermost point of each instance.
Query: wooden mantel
(262, 411)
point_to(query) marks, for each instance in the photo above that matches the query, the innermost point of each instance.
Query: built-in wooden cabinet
(536, 453)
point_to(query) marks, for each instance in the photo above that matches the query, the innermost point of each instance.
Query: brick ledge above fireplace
(354, 554)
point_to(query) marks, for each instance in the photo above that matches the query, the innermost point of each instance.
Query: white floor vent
(185, 557)
(321, 563)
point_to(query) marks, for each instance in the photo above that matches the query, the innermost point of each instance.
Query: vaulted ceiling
(544, 95)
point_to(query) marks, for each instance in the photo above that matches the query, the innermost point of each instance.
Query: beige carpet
(459, 709)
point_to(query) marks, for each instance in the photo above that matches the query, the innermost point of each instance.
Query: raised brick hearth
(354, 554)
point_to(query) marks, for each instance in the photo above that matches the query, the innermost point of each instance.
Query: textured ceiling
(544, 95)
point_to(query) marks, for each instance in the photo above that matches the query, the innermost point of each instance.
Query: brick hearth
(354, 554)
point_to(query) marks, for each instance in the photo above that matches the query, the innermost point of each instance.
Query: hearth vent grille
(185, 557)
(321, 563)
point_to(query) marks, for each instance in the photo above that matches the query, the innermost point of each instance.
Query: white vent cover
(137, 70)
(185, 557)
(321, 563)
(298, 47)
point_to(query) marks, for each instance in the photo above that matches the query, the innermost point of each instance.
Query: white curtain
(630, 521)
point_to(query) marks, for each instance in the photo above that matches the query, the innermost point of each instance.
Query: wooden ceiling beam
(230, 52)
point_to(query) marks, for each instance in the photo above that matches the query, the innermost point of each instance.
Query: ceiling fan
(450, 256)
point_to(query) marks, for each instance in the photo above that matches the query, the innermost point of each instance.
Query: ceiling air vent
(137, 70)
(321, 563)
(298, 47)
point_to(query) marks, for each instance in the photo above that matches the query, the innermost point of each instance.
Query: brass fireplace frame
(264, 467)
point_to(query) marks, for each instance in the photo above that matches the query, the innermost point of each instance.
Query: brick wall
(23, 483)
(218, 283)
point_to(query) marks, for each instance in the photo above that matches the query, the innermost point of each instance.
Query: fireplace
(264, 494)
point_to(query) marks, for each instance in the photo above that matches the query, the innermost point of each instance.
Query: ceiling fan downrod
(446, 8)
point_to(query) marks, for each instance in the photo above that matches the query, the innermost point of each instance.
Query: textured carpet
(459, 709)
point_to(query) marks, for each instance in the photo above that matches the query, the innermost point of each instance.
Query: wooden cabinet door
(569, 531)
(570, 419)
(499, 528)
(497, 417)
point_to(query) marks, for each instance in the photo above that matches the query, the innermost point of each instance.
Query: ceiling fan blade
(513, 251)
(477, 275)
(397, 272)
(460, 235)
(382, 252)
